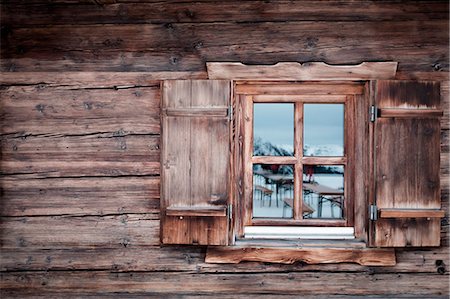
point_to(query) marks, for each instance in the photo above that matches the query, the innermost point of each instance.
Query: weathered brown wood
(418, 113)
(324, 160)
(218, 211)
(411, 180)
(163, 284)
(293, 71)
(247, 124)
(79, 196)
(196, 162)
(282, 88)
(366, 257)
(79, 231)
(186, 46)
(273, 160)
(41, 109)
(103, 155)
(116, 80)
(411, 213)
(216, 111)
(329, 98)
(19, 14)
(298, 206)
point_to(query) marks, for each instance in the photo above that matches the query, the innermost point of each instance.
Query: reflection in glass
(273, 191)
(323, 130)
(323, 192)
(273, 129)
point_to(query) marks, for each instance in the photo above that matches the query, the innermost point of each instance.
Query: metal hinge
(373, 113)
(230, 211)
(373, 212)
(230, 113)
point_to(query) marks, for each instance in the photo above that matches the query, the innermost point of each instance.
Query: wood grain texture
(167, 284)
(152, 40)
(411, 180)
(102, 155)
(195, 161)
(32, 13)
(367, 257)
(79, 231)
(295, 71)
(40, 109)
(187, 46)
(79, 196)
(411, 213)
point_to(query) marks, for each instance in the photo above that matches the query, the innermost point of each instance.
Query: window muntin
(288, 205)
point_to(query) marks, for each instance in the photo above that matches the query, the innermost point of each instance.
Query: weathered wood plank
(187, 46)
(19, 14)
(82, 231)
(188, 259)
(92, 155)
(362, 256)
(80, 196)
(115, 80)
(42, 110)
(301, 71)
(194, 284)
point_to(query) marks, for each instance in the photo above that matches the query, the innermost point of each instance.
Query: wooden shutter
(406, 168)
(195, 162)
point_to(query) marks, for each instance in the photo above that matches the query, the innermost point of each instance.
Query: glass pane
(323, 130)
(273, 191)
(323, 192)
(273, 129)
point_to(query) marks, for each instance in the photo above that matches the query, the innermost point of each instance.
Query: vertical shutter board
(407, 163)
(196, 146)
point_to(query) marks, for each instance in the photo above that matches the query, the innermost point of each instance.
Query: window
(298, 156)
(372, 175)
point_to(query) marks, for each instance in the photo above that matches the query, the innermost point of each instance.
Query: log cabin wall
(80, 151)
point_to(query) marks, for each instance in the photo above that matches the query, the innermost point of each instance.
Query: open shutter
(407, 150)
(195, 162)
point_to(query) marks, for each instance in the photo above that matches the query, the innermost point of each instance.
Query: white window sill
(299, 232)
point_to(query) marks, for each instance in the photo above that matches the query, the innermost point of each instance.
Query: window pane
(323, 130)
(323, 191)
(273, 191)
(273, 129)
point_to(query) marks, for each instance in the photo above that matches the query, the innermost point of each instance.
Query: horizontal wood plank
(324, 255)
(47, 110)
(299, 98)
(301, 71)
(411, 213)
(163, 284)
(187, 46)
(79, 156)
(80, 232)
(298, 89)
(79, 196)
(19, 14)
(324, 160)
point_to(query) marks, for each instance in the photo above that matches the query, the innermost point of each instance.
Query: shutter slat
(195, 162)
(407, 155)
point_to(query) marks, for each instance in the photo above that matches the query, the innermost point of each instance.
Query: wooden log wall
(80, 151)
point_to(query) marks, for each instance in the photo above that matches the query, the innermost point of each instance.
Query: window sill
(299, 232)
(309, 252)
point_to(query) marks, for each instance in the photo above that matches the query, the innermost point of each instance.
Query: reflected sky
(324, 126)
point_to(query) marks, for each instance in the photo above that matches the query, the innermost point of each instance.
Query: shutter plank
(197, 142)
(407, 164)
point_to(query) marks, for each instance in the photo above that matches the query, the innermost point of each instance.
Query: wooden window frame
(249, 92)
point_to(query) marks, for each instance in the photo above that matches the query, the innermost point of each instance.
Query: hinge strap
(373, 212)
(373, 113)
(230, 113)
(230, 211)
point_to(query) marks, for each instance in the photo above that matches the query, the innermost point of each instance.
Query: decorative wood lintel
(315, 255)
(301, 71)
